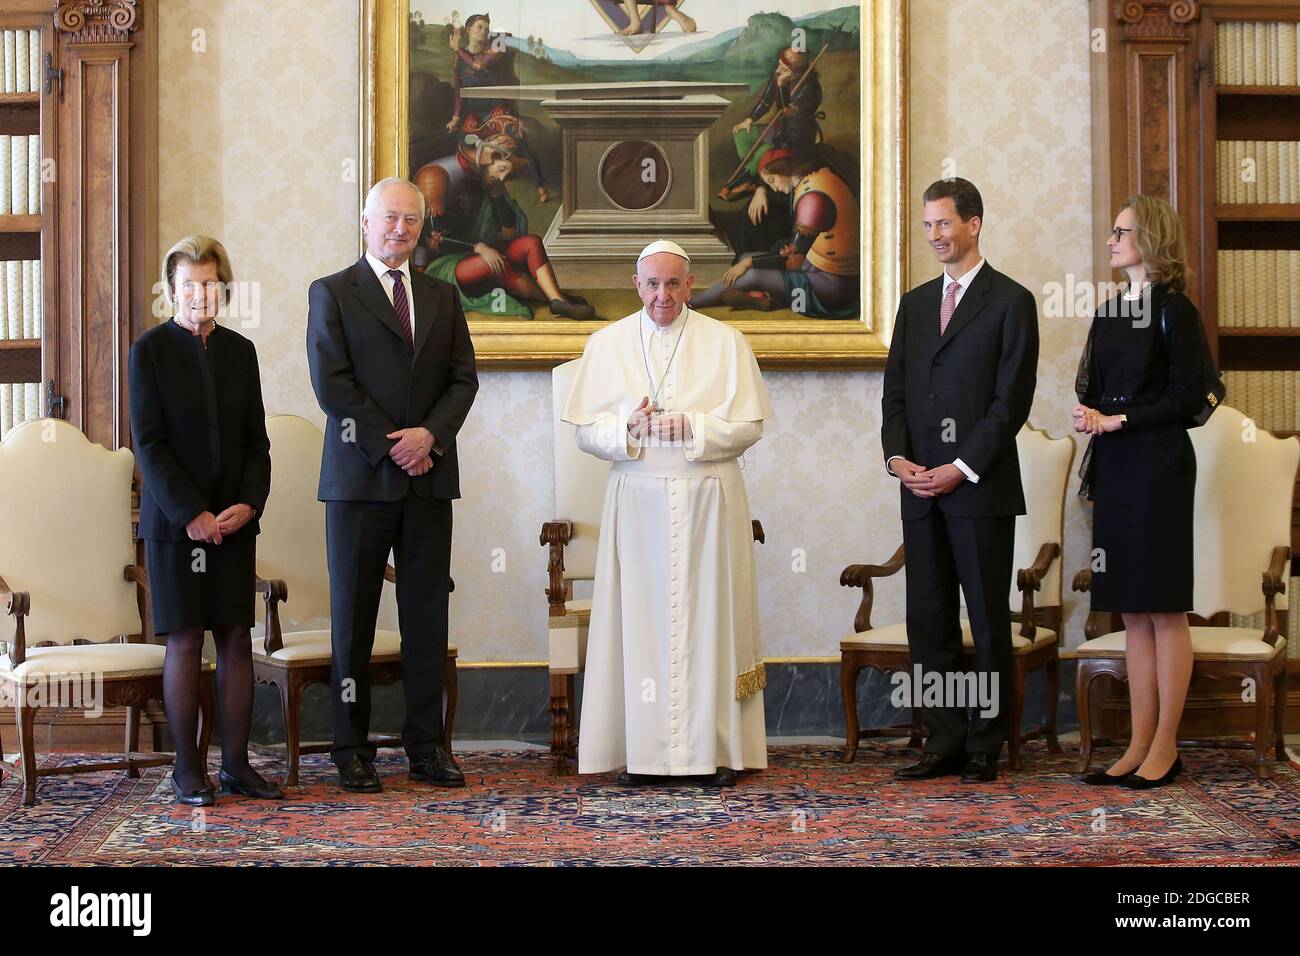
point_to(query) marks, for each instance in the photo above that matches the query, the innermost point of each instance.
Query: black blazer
(187, 470)
(964, 395)
(369, 383)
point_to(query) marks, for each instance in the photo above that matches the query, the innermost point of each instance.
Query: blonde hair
(196, 250)
(1161, 239)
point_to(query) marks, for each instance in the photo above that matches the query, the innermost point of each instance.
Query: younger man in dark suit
(958, 386)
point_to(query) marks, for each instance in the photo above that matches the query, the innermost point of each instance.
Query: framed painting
(553, 141)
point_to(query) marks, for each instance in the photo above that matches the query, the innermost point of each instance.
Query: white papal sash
(667, 461)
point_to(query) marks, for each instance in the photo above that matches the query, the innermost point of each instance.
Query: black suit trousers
(359, 536)
(943, 552)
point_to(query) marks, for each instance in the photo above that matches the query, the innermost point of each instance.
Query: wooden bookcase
(31, 236)
(1258, 113)
(96, 235)
(96, 113)
(1159, 115)
(1244, 113)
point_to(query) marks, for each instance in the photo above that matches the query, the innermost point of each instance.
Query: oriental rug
(806, 809)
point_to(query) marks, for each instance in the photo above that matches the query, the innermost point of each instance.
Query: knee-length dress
(1143, 478)
(199, 432)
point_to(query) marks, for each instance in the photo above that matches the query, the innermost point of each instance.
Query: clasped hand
(412, 451)
(666, 427)
(212, 529)
(1094, 422)
(927, 482)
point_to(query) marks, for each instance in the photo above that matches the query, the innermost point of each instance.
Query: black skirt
(1143, 492)
(197, 585)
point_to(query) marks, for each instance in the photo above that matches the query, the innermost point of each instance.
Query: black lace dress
(1142, 480)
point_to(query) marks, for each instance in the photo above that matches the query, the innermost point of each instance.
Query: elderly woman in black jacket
(200, 438)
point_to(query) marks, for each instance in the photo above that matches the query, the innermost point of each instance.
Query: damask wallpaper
(259, 147)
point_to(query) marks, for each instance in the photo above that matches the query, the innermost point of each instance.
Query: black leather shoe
(258, 789)
(203, 797)
(438, 769)
(980, 768)
(626, 779)
(1100, 778)
(724, 777)
(357, 774)
(1135, 781)
(930, 766)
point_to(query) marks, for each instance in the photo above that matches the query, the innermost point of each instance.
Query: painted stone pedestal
(635, 169)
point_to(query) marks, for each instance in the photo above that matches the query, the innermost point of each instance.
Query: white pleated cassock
(673, 681)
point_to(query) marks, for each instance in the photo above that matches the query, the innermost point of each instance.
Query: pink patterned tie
(949, 306)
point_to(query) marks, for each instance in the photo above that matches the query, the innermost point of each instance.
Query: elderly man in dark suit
(959, 381)
(393, 369)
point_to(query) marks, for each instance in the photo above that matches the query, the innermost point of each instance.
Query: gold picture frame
(778, 343)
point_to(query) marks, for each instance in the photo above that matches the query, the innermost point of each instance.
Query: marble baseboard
(513, 703)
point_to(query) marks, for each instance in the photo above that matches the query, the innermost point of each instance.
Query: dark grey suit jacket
(964, 395)
(370, 383)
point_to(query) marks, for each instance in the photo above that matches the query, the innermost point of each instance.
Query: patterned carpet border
(806, 809)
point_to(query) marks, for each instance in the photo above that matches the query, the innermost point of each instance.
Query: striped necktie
(401, 308)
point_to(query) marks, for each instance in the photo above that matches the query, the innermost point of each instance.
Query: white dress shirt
(385, 280)
(963, 283)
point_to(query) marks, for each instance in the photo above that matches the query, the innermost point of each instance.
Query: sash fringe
(751, 682)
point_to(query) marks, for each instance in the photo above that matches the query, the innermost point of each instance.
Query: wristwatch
(1123, 423)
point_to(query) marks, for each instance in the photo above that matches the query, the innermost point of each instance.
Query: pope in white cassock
(674, 677)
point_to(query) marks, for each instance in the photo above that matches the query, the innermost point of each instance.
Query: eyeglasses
(1118, 232)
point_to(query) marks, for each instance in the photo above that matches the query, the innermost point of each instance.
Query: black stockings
(234, 701)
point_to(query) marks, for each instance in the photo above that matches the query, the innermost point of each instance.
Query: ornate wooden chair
(292, 647)
(1245, 480)
(571, 540)
(71, 591)
(1036, 628)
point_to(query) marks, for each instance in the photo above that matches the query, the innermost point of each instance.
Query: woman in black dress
(1138, 387)
(200, 437)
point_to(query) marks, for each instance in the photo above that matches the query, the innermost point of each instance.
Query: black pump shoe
(1134, 781)
(1100, 778)
(203, 797)
(261, 790)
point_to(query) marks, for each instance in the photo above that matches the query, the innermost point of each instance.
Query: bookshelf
(1250, 236)
(1259, 212)
(1250, 225)
(94, 112)
(1181, 100)
(25, 236)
